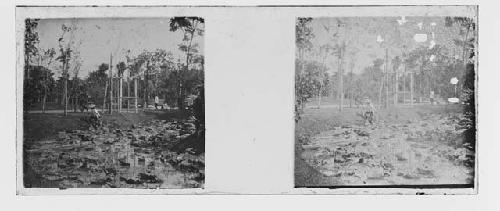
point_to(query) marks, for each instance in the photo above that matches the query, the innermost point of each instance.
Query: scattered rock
(361, 132)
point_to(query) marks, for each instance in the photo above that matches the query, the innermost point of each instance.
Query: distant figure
(369, 111)
(157, 102)
(95, 117)
(95, 112)
(431, 96)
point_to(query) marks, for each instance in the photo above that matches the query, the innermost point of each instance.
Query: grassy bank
(38, 126)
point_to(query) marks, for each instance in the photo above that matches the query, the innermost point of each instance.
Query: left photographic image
(112, 103)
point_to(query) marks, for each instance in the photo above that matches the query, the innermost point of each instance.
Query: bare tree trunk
(386, 78)
(404, 86)
(464, 53)
(351, 94)
(135, 95)
(111, 83)
(146, 93)
(75, 100)
(65, 97)
(120, 94)
(43, 102)
(45, 90)
(380, 92)
(411, 88)
(128, 87)
(319, 95)
(396, 87)
(340, 91)
(105, 96)
(65, 92)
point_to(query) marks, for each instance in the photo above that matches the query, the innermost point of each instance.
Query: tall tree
(47, 79)
(149, 64)
(121, 67)
(467, 29)
(64, 57)
(190, 27)
(30, 42)
(303, 36)
(30, 50)
(96, 82)
(303, 88)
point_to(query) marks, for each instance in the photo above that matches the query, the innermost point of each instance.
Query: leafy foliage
(30, 40)
(41, 82)
(190, 26)
(308, 83)
(121, 67)
(303, 34)
(96, 82)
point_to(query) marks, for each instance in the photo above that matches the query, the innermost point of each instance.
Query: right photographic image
(386, 101)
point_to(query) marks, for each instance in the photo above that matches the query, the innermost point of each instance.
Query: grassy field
(316, 121)
(38, 126)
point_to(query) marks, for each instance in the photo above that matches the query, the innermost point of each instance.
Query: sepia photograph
(386, 101)
(113, 103)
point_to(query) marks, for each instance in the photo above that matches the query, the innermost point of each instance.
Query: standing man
(369, 111)
(157, 102)
(432, 97)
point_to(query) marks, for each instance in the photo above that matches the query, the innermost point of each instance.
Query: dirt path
(427, 151)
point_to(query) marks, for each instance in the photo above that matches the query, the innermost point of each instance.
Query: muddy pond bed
(430, 150)
(140, 156)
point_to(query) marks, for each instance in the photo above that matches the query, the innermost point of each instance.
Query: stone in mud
(387, 166)
(109, 141)
(183, 136)
(101, 181)
(86, 137)
(53, 177)
(105, 129)
(425, 172)
(189, 126)
(329, 173)
(63, 135)
(401, 157)
(361, 132)
(407, 176)
(123, 163)
(377, 175)
(130, 181)
(148, 178)
(171, 133)
(461, 153)
(189, 150)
